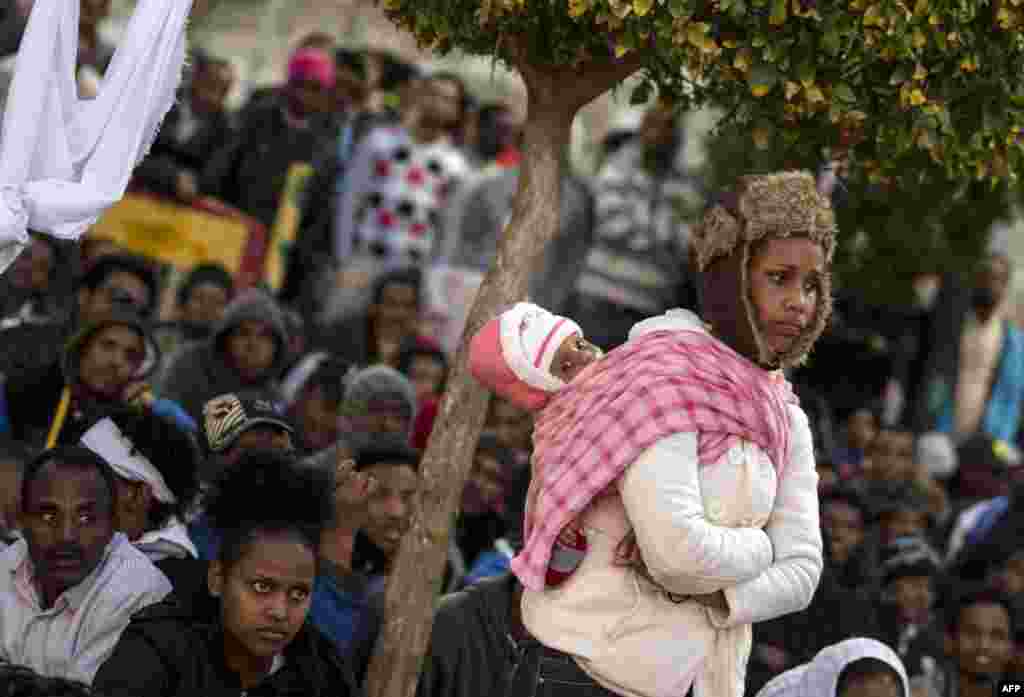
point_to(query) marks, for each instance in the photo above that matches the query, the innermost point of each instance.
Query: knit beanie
(379, 385)
(315, 65)
(760, 207)
(512, 354)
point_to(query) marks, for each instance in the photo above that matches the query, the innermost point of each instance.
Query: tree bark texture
(555, 95)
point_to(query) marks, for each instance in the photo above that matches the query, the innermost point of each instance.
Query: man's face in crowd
(982, 645)
(902, 522)
(439, 101)
(512, 426)
(862, 429)
(31, 270)
(913, 598)
(991, 281)
(68, 523)
(397, 310)
(309, 98)
(110, 359)
(891, 457)
(318, 420)
(119, 289)
(251, 348)
(211, 87)
(845, 527)
(205, 304)
(390, 506)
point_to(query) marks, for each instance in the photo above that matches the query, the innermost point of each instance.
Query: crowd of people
(204, 485)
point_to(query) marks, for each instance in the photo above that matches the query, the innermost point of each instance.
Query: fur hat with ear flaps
(760, 207)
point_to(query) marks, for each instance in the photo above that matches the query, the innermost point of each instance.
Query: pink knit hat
(313, 64)
(512, 354)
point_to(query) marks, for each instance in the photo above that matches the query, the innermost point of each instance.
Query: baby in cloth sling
(526, 355)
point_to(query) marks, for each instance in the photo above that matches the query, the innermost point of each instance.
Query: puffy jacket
(167, 651)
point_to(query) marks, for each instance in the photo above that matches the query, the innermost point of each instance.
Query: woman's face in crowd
(265, 595)
(575, 354)
(983, 643)
(251, 347)
(785, 285)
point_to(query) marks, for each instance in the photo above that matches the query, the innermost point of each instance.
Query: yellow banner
(172, 233)
(286, 224)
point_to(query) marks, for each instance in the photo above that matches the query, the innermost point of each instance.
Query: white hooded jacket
(820, 677)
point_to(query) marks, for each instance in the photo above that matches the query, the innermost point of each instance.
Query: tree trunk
(555, 95)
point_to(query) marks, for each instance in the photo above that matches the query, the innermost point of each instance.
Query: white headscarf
(65, 160)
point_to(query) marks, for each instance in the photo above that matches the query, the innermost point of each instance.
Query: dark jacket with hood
(474, 649)
(203, 371)
(30, 399)
(168, 651)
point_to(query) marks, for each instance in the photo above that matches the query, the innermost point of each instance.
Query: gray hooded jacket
(202, 371)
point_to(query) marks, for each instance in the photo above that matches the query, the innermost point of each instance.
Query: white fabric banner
(65, 160)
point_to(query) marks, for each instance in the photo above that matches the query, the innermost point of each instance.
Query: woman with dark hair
(271, 513)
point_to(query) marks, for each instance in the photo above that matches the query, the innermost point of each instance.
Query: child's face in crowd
(983, 643)
(904, 522)
(211, 87)
(845, 527)
(205, 304)
(426, 374)
(265, 595)
(251, 347)
(575, 354)
(390, 506)
(874, 685)
(309, 98)
(891, 457)
(912, 597)
(785, 283)
(862, 429)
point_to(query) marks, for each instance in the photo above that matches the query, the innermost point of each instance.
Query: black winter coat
(472, 651)
(168, 652)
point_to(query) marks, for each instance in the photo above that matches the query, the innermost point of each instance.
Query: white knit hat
(530, 337)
